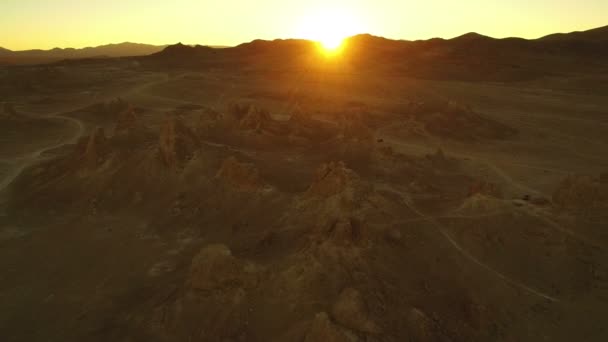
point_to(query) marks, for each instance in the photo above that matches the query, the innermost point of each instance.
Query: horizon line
(289, 38)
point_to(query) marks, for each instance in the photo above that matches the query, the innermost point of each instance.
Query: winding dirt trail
(23, 162)
(444, 232)
(505, 177)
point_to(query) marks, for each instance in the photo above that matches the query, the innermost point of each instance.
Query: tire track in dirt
(444, 232)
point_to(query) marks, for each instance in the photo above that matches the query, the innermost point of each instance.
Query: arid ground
(146, 200)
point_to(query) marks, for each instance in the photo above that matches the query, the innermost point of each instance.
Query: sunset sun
(329, 27)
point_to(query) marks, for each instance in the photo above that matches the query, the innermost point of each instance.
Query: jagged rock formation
(110, 107)
(454, 120)
(485, 188)
(355, 129)
(215, 268)
(581, 193)
(238, 110)
(240, 176)
(351, 311)
(94, 148)
(356, 139)
(298, 116)
(177, 143)
(255, 119)
(303, 128)
(478, 202)
(342, 231)
(333, 178)
(353, 125)
(324, 330)
(127, 121)
(209, 121)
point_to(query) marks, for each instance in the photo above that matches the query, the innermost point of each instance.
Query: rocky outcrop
(177, 143)
(240, 176)
(94, 148)
(111, 107)
(350, 310)
(477, 203)
(256, 119)
(343, 231)
(127, 121)
(485, 188)
(353, 126)
(324, 330)
(333, 178)
(356, 130)
(214, 268)
(454, 120)
(208, 121)
(303, 128)
(299, 117)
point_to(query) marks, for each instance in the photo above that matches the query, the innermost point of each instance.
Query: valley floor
(172, 206)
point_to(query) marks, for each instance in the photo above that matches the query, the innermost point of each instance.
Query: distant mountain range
(467, 57)
(597, 34)
(110, 50)
(45, 56)
(470, 56)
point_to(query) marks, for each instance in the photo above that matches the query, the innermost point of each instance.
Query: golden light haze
(27, 24)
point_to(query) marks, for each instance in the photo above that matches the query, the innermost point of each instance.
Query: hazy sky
(26, 24)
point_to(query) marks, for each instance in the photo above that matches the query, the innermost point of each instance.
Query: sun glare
(329, 27)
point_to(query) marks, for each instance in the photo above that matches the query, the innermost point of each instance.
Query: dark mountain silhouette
(181, 50)
(471, 56)
(471, 36)
(110, 50)
(597, 34)
(37, 56)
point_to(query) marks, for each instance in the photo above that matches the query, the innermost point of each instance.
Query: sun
(331, 43)
(329, 27)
